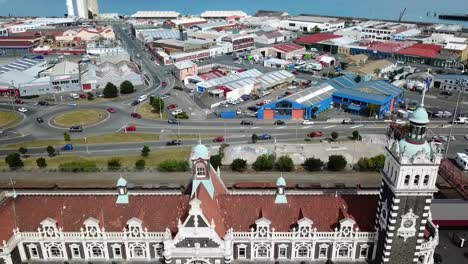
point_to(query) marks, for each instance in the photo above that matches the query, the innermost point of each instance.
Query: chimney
(182, 33)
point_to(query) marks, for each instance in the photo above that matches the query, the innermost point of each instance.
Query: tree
(172, 165)
(284, 163)
(356, 135)
(316, 29)
(437, 258)
(358, 79)
(157, 104)
(114, 164)
(41, 163)
(264, 162)
(51, 151)
(334, 135)
(254, 138)
(23, 150)
(110, 91)
(372, 109)
(90, 96)
(182, 115)
(126, 87)
(238, 165)
(145, 151)
(66, 136)
(140, 164)
(336, 162)
(313, 164)
(215, 161)
(14, 161)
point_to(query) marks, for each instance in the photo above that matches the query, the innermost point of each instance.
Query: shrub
(157, 104)
(336, 162)
(145, 151)
(114, 164)
(78, 166)
(14, 161)
(371, 164)
(51, 151)
(41, 163)
(66, 136)
(173, 165)
(254, 138)
(182, 115)
(313, 164)
(264, 162)
(238, 165)
(90, 96)
(126, 87)
(356, 135)
(215, 161)
(23, 150)
(110, 91)
(140, 164)
(284, 163)
(334, 135)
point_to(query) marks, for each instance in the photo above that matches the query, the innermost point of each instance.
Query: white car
(176, 112)
(307, 122)
(142, 98)
(400, 122)
(2, 132)
(239, 111)
(164, 97)
(22, 110)
(72, 104)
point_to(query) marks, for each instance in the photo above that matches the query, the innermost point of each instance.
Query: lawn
(79, 117)
(152, 161)
(146, 110)
(7, 118)
(101, 139)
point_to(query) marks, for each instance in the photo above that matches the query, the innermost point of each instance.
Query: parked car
(172, 106)
(135, 103)
(347, 121)
(75, 129)
(261, 103)
(135, 115)
(239, 111)
(288, 93)
(264, 137)
(315, 134)
(446, 93)
(179, 88)
(43, 103)
(400, 122)
(164, 97)
(307, 122)
(40, 120)
(130, 128)
(279, 123)
(111, 110)
(253, 108)
(255, 97)
(163, 84)
(67, 147)
(142, 98)
(246, 123)
(174, 142)
(176, 112)
(218, 139)
(173, 121)
(72, 104)
(19, 101)
(22, 110)
(2, 132)
(83, 96)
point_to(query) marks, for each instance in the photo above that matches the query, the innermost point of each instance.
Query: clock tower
(408, 184)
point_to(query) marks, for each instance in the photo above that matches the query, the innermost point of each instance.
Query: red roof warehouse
(422, 50)
(315, 38)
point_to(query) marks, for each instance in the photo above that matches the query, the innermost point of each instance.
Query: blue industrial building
(342, 92)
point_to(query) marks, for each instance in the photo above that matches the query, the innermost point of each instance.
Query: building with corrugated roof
(156, 15)
(312, 24)
(223, 14)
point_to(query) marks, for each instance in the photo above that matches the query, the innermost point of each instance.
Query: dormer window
(200, 170)
(426, 180)
(416, 180)
(407, 179)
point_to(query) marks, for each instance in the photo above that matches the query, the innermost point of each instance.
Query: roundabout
(81, 117)
(8, 118)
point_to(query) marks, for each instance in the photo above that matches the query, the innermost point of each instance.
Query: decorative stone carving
(408, 225)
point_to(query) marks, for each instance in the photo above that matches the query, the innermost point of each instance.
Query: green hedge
(79, 166)
(173, 165)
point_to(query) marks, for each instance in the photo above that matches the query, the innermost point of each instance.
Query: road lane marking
(357, 126)
(255, 127)
(329, 127)
(281, 127)
(306, 127)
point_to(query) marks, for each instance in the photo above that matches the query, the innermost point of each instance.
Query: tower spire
(423, 95)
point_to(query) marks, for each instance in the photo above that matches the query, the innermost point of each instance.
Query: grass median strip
(79, 117)
(101, 139)
(7, 118)
(146, 110)
(152, 161)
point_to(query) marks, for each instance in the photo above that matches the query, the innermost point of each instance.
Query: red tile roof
(160, 211)
(388, 46)
(16, 44)
(422, 50)
(211, 75)
(316, 38)
(289, 47)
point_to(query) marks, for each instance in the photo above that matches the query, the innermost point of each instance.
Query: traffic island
(147, 111)
(8, 118)
(84, 118)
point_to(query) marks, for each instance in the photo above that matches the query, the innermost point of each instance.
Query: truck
(74, 96)
(461, 120)
(314, 66)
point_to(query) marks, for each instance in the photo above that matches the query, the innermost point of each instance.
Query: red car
(260, 103)
(83, 96)
(19, 101)
(111, 110)
(163, 84)
(315, 134)
(130, 128)
(135, 115)
(218, 139)
(172, 106)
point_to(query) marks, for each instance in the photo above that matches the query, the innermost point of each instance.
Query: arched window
(96, 250)
(201, 169)
(407, 179)
(55, 252)
(416, 180)
(343, 252)
(303, 252)
(138, 252)
(426, 180)
(262, 251)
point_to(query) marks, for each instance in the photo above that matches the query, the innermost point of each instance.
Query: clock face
(408, 223)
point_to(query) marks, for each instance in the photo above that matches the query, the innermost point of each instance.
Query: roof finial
(424, 93)
(199, 138)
